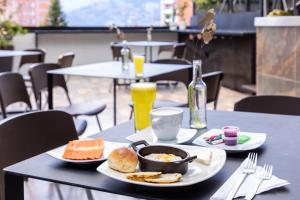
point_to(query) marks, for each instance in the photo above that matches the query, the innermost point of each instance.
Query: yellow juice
(143, 96)
(138, 63)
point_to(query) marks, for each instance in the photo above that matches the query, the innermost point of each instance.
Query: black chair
(116, 51)
(38, 74)
(177, 50)
(31, 59)
(213, 81)
(13, 90)
(66, 59)
(271, 104)
(27, 135)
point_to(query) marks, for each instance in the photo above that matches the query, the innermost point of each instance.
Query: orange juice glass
(139, 65)
(143, 96)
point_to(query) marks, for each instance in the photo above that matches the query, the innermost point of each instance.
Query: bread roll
(123, 160)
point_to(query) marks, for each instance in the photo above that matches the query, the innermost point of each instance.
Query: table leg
(13, 187)
(115, 100)
(146, 53)
(150, 54)
(50, 91)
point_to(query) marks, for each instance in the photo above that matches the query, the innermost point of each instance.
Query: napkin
(250, 180)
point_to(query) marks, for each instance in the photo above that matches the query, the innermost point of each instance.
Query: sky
(69, 5)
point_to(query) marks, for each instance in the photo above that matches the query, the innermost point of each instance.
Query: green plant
(206, 4)
(56, 16)
(9, 29)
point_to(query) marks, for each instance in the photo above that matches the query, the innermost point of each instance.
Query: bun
(123, 160)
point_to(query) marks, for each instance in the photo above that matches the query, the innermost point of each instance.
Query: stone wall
(278, 60)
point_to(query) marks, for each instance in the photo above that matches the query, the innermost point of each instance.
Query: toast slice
(165, 178)
(141, 176)
(84, 149)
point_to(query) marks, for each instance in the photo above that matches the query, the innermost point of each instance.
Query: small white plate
(184, 135)
(257, 139)
(196, 173)
(108, 147)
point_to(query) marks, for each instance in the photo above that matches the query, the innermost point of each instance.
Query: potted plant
(180, 11)
(9, 29)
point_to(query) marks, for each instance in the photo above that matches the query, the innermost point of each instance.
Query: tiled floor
(90, 89)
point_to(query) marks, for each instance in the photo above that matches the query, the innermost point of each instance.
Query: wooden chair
(38, 74)
(13, 90)
(271, 104)
(27, 135)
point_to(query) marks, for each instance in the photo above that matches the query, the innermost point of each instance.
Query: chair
(66, 59)
(213, 81)
(116, 51)
(117, 56)
(249, 88)
(177, 50)
(271, 104)
(27, 135)
(38, 74)
(13, 90)
(31, 59)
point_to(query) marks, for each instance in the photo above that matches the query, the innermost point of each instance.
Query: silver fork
(266, 174)
(249, 168)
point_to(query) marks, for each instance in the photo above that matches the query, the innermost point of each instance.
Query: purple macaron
(230, 131)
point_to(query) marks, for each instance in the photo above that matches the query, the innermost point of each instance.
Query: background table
(6, 58)
(12, 53)
(281, 150)
(147, 44)
(112, 70)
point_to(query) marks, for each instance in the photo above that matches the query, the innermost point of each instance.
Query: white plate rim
(104, 165)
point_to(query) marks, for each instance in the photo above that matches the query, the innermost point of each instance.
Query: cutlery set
(248, 169)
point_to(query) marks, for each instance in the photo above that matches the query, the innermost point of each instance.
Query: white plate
(257, 139)
(184, 135)
(108, 147)
(196, 173)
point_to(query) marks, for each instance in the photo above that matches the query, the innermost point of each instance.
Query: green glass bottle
(197, 98)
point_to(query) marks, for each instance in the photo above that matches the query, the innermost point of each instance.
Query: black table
(147, 44)
(111, 70)
(281, 150)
